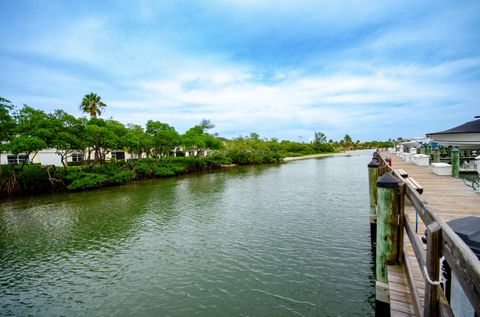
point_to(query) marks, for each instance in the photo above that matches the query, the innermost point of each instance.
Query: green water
(287, 240)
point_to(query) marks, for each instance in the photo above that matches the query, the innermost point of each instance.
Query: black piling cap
(387, 181)
(373, 163)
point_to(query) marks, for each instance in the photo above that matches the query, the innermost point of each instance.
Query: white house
(51, 157)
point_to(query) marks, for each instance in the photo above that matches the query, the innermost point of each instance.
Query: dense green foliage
(34, 177)
(26, 131)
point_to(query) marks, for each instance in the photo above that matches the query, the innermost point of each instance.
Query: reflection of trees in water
(81, 221)
(50, 224)
(254, 170)
(198, 196)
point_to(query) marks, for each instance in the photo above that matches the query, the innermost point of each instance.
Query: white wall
(45, 157)
(48, 157)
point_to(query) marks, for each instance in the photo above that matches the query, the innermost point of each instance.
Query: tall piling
(436, 155)
(455, 162)
(387, 233)
(372, 183)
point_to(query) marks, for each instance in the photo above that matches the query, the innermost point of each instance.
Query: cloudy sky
(285, 69)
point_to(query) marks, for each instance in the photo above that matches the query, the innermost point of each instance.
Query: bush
(87, 180)
(164, 171)
(121, 177)
(34, 177)
(218, 160)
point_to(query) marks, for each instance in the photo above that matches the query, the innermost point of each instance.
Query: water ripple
(288, 240)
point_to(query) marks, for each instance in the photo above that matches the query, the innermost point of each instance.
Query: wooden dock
(449, 196)
(442, 198)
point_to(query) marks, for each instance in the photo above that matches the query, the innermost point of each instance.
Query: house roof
(469, 127)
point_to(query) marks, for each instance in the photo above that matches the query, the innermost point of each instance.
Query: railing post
(387, 233)
(432, 291)
(381, 166)
(372, 182)
(436, 155)
(401, 219)
(455, 162)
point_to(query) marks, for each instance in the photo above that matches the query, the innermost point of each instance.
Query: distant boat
(465, 136)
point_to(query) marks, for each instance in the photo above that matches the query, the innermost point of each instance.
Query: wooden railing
(442, 241)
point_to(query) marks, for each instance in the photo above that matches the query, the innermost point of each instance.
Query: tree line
(26, 131)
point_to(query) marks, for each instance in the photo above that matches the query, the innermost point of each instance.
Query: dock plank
(451, 199)
(399, 292)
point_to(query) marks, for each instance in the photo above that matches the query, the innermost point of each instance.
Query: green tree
(206, 124)
(320, 138)
(7, 126)
(164, 138)
(252, 151)
(101, 136)
(197, 139)
(320, 144)
(92, 105)
(34, 131)
(193, 139)
(69, 135)
(254, 136)
(26, 144)
(347, 141)
(135, 140)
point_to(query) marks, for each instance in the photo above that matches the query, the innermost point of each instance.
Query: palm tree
(91, 104)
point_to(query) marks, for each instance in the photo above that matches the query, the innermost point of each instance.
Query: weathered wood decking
(401, 304)
(450, 198)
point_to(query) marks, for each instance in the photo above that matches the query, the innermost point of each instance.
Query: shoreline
(305, 157)
(34, 192)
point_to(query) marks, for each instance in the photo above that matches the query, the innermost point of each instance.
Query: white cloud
(333, 101)
(169, 72)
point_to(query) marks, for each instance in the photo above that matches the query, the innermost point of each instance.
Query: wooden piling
(372, 182)
(436, 155)
(401, 219)
(387, 232)
(455, 155)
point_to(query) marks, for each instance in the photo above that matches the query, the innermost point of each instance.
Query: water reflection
(280, 240)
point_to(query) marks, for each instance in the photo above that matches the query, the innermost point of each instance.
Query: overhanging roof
(469, 127)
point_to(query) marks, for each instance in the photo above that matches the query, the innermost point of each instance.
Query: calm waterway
(286, 240)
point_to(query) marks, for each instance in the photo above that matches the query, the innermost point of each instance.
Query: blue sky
(285, 69)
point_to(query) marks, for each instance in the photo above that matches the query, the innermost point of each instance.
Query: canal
(283, 240)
